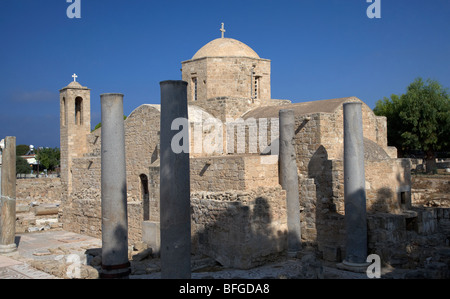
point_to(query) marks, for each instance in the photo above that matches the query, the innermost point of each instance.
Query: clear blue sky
(319, 49)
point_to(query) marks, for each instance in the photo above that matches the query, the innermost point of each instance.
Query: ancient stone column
(289, 179)
(354, 189)
(0, 185)
(8, 197)
(175, 216)
(115, 262)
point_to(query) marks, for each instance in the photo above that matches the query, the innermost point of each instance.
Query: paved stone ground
(52, 246)
(11, 268)
(41, 249)
(53, 252)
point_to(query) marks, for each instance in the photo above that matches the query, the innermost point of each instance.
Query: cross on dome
(223, 30)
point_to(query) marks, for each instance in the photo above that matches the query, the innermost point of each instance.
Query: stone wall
(231, 107)
(319, 147)
(41, 190)
(141, 147)
(408, 240)
(322, 196)
(38, 204)
(82, 214)
(240, 229)
(432, 191)
(231, 76)
(75, 125)
(82, 211)
(237, 172)
(154, 183)
(332, 129)
(309, 208)
(195, 69)
(237, 197)
(86, 218)
(388, 184)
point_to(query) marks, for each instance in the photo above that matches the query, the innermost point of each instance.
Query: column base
(8, 248)
(353, 267)
(122, 271)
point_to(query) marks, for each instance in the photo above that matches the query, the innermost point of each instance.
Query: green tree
(22, 149)
(22, 165)
(418, 119)
(48, 157)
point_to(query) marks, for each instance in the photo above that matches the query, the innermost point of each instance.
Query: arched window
(256, 81)
(194, 88)
(63, 112)
(78, 111)
(145, 195)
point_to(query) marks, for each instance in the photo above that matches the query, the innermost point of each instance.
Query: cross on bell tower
(223, 30)
(74, 76)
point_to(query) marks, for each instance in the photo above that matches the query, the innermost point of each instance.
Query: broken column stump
(8, 198)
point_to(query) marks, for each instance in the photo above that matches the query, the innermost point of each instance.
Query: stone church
(238, 208)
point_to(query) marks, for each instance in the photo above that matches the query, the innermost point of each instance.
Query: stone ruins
(257, 179)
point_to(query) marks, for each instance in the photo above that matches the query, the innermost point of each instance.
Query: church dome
(225, 47)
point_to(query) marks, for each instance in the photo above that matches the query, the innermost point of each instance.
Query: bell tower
(75, 125)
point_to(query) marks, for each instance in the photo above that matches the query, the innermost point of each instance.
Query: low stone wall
(84, 217)
(431, 191)
(408, 240)
(42, 190)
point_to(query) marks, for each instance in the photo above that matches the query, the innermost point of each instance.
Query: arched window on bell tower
(78, 111)
(63, 112)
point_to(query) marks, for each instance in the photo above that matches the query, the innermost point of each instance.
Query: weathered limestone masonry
(42, 190)
(240, 229)
(237, 172)
(431, 191)
(38, 204)
(227, 194)
(75, 125)
(227, 66)
(238, 208)
(142, 149)
(8, 197)
(115, 262)
(319, 151)
(237, 198)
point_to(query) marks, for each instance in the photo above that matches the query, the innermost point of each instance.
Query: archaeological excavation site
(220, 180)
